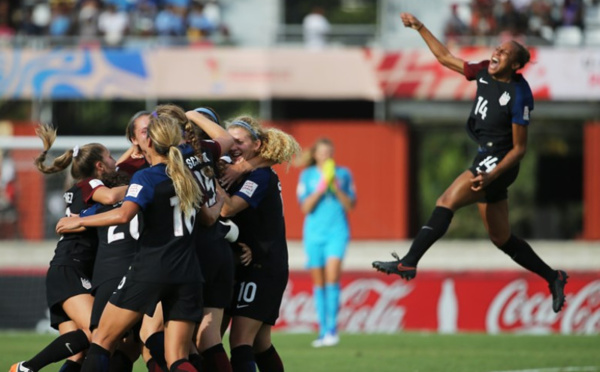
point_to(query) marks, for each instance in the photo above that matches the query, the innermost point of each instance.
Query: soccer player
(207, 141)
(498, 122)
(326, 193)
(133, 159)
(68, 281)
(166, 268)
(255, 205)
(117, 246)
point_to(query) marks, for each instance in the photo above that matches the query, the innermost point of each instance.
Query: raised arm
(438, 49)
(212, 129)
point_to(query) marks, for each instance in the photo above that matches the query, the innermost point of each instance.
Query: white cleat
(18, 367)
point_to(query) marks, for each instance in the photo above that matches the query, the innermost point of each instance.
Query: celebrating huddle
(168, 258)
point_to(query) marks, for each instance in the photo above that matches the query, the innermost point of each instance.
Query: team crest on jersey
(504, 98)
(526, 113)
(134, 190)
(249, 188)
(85, 283)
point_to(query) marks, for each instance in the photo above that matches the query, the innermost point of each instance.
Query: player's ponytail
(165, 133)
(83, 159)
(276, 145)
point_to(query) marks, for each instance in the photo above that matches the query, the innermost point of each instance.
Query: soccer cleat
(396, 267)
(328, 340)
(557, 288)
(19, 367)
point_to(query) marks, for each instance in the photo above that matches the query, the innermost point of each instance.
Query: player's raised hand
(411, 21)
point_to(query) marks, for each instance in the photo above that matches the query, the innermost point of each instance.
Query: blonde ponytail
(165, 132)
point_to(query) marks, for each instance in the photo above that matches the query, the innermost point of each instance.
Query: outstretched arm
(117, 216)
(438, 49)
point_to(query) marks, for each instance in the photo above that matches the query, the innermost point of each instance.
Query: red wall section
(377, 155)
(30, 187)
(591, 181)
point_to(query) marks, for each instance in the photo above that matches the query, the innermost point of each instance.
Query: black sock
(156, 344)
(61, 348)
(215, 359)
(153, 366)
(120, 362)
(242, 359)
(70, 366)
(197, 361)
(182, 365)
(434, 229)
(97, 359)
(269, 361)
(523, 254)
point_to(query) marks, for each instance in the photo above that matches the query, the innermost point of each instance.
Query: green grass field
(403, 352)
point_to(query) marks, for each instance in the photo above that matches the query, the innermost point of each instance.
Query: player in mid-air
(498, 122)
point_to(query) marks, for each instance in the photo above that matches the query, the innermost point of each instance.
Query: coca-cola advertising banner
(447, 302)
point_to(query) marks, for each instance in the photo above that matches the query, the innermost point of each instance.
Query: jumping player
(498, 122)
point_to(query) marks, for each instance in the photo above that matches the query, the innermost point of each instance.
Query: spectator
(199, 26)
(482, 19)
(142, 18)
(169, 22)
(113, 25)
(511, 23)
(87, 20)
(315, 27)
(572, 13)
(455, 26)
(40, 18)
(60, 21)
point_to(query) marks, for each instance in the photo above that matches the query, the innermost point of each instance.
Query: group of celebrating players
(148, 260)
(185, 234)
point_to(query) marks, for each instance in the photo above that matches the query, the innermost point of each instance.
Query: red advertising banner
(447, 302)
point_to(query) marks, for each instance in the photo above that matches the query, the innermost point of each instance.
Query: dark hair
(114, 179)
(522, 56)
(129, 131)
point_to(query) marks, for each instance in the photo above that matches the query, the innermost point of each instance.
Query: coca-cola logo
(513, 309)
(366, 305)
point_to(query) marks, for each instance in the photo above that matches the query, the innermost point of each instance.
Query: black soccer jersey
(166, 243)
(78, 249)
(497, 106)
(117, 245)
(262, 224)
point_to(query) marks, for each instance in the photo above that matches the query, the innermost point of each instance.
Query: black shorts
(498, 189)
(101, 294)
(258, 295)
(218, 276)
(62, 283)
(180, 301)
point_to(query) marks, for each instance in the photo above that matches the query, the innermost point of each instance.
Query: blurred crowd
(515, 19)
(110, 21)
